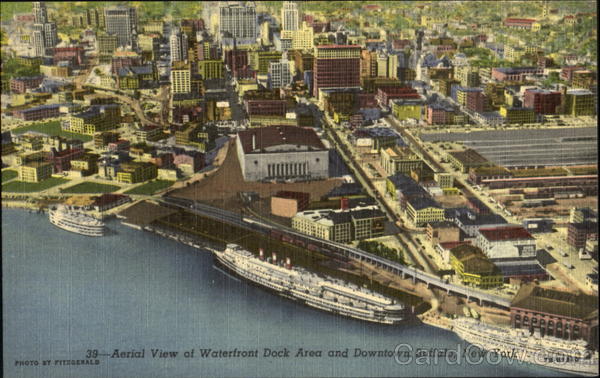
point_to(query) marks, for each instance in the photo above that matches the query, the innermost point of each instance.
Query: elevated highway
(403, 271)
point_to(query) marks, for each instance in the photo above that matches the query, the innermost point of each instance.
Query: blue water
(65, 294)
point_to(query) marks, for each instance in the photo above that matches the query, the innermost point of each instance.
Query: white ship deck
(321, 292)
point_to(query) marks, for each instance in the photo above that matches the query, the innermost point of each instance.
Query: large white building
(343, 225)
(44, 32)
(40, 13)
(506, 242)
(44, 35)
(280, 73)
(289, 16)
(38, 43)
(237, 19)
(302, 38)
(122, 22)
(282, 153)
(178, 43)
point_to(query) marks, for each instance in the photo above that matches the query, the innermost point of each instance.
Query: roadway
(251, 223)
(432, 162)
(164, 98)
(404, 240)
(133, 103)
(415, 145)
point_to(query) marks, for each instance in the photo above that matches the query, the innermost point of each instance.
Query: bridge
(396, 268)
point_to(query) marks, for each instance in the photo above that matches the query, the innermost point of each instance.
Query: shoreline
(430, 317)
(426, 318)
(24, 205)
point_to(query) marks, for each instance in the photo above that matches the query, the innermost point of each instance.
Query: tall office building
(289, 16)
(122, 22)
(181, 78)
(238, 20)
(40, 13)
(178, 43)
(280, 73)
(50, 34)
(336, 66)
(37, 40)
(43, 37)
(44, 33)
(302, 38)
(106, 44)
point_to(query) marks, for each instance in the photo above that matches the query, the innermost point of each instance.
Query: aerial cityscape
(299, 188)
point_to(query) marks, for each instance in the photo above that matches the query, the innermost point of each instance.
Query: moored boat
(75, 221)
(552, 352)
(322, 292)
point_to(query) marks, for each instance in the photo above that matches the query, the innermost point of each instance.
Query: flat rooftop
(529, 147)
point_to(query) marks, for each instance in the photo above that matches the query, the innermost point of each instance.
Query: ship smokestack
(288, 263)
(274, 258)
(261, 254)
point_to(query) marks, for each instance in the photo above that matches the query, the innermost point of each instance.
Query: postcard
(299, 189)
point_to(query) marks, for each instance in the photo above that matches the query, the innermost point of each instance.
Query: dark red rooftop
(505, 233)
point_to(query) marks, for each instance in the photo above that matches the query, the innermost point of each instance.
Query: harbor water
(122, 306)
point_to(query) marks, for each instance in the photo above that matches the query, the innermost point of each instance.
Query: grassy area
(90, 187)
(51, 128)
(9, 8)
(8, 174)
(28, 187)
(151, 187)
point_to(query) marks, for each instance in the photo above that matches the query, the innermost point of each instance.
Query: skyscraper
(44, 33)
(181, 80)
(336, 66)
(178, 43)
(43, 36)
(238, 20)
(302, 38)
(289, 16)
(40, 14)
(37, 40)
(280, 74)
(50, 34)
(121, 21)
